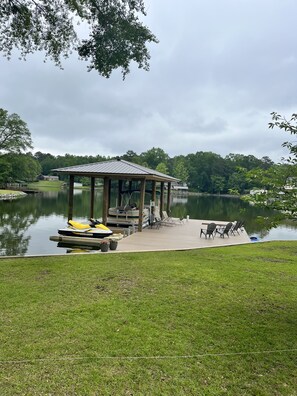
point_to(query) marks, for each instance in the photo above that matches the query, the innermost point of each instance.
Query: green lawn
(219, 321)
(46, 185)
(7, 192)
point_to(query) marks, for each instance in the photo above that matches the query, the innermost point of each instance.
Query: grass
(46, 185)
(204, 322)
(7, 192)
(43, 185)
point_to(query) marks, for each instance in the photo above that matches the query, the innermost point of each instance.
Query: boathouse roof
(116, 169)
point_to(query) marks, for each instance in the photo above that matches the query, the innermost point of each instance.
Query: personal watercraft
(93, 230)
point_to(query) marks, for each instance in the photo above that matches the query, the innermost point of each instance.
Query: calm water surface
(27, 223)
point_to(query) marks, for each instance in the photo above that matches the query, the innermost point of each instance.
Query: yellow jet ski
(93, 230)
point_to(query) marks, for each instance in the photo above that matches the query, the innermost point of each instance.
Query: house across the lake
(48, 177)
(180, 187)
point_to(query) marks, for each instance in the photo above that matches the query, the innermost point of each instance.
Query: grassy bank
(204, 322)
(10, 192)
(46, 185)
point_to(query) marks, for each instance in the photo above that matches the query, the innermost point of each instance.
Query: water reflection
(227, 209)
(15, 219)
(27, 223)
(70, 248)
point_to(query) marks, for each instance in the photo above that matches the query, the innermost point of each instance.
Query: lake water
(27, 223)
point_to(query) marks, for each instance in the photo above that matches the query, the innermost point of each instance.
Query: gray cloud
(219, 70)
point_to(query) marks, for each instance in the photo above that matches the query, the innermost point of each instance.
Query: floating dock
(81, 241)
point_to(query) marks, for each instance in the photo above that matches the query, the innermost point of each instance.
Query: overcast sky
(221, 67)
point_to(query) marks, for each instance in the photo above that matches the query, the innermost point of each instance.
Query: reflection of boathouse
(126, 177)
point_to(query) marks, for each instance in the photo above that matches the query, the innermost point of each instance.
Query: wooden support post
(120, 189)
(105, 200)
(141, 204)
(162, 199)
(168, 197)
(70, 197)
(92, 198)
(109, 193)
(154, 191)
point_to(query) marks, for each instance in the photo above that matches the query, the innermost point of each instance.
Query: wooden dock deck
(178, 237)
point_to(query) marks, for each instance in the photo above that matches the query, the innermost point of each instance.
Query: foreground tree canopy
(288, 126)
(279, 183)
(115, 37)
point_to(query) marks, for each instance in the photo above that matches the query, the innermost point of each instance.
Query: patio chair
(209, 231)
(222, 231)
(157, 221)
(174, 220)
(237, 227)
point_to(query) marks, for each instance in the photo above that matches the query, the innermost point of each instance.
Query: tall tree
(153, 157)
(131, 156)
(115, 34)
(218, 183)
(161, 167)
(5, 171)
(15, 136)
(46, 160)
(180, 170)
(201, 167)
(23, 167)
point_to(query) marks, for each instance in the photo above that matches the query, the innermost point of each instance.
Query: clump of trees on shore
(16, 163)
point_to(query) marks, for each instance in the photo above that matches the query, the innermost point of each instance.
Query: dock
(183, 236)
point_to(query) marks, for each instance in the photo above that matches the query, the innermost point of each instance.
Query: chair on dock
(209, 231)
(237, 227)
(174, 220)
(155, 221)
(222, 231)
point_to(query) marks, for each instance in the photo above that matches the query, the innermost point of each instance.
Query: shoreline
(214, 195)
(11, 194)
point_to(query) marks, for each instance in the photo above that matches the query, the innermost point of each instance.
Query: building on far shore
(180, 187)
(48, 177)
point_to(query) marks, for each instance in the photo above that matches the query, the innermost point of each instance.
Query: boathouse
(125, 174)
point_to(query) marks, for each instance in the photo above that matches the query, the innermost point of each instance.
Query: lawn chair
(237, 227)
(222, 231)
(155, 222)
(174, 220)
(158, 221)
(209, 231)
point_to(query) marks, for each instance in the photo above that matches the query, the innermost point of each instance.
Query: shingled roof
(116, 169)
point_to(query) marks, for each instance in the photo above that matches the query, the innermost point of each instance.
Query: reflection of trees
(13, 225)
(262, 233)
(18, 215)
(56, 202)
(223, 209)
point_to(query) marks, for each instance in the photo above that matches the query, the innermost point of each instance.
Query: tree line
(203, 171)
